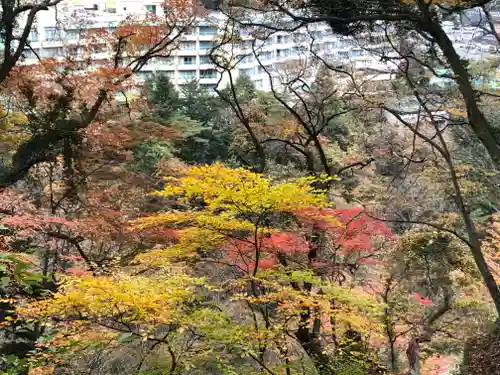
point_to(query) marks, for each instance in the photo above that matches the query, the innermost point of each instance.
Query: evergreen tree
(212, 141)
(163, 98)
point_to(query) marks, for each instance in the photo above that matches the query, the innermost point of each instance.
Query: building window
(52, 52)
(72, 34)
(245, 31)
(51, 33)
(80, 65)
(33, 36)
(188, 60)
(76, 51)
(187, 74)
(168, 73)
(185, 30)
(266, 55)
(283, 52)
(206, 30)
(151, 9)
(248, 72)
(244, 59)
(317, 34)
(205, 60)
(91, 7)
(248, 44)
(209, 88)
(209, 73)
(206, 45)
(280, 39)
(144, 75)
(188, 46)
(29, 54)
(169, 60)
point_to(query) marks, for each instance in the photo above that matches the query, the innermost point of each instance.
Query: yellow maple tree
(262, 235)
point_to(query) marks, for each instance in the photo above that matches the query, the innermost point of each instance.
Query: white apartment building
(56, 28)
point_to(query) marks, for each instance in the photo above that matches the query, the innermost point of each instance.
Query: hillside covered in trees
(336, 224)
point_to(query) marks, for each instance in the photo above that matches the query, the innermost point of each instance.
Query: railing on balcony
(208, 74)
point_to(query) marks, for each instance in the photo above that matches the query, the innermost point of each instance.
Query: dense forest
(336, 224)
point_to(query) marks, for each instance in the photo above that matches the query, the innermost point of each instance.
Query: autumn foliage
(298, 261)
(279, 256)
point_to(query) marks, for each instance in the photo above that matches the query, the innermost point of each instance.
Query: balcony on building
(210, 88)
(71, 35)
(163, 61)
(186, 62)
(209, 76)
(188, 48)
(205, 46)
(143, 76)
(52, 35)
(30, 56)
(205, 61)
(187, 75)
(33, 36)
(76, 52)
(52, 52)
(207, 33)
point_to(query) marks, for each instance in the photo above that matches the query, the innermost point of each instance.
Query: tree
(432, 296)
(71, 149)
(163, 97)
(134, 42)
(214, 139)
(256, 235)
(245, 233)
(196, 116)
(419, 17)
(238, 92)
(394, 20)
(229, 271)
(16, 22)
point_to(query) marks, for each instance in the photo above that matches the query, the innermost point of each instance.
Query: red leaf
(77, 271)
(422, 300)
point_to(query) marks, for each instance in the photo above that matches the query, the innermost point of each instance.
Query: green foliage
(14, 365)
(212, 140)
(148, 154)
(163, 97)
(243, 89)
(198, 104)
(14, 270)
(196, 115)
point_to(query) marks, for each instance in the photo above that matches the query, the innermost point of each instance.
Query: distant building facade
(55, 29)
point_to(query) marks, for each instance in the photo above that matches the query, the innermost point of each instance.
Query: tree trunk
(310, 340)
(482, 129)
(474, 241)
(477, 121)
(314, 349)
(489, 280)
(413, 355)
